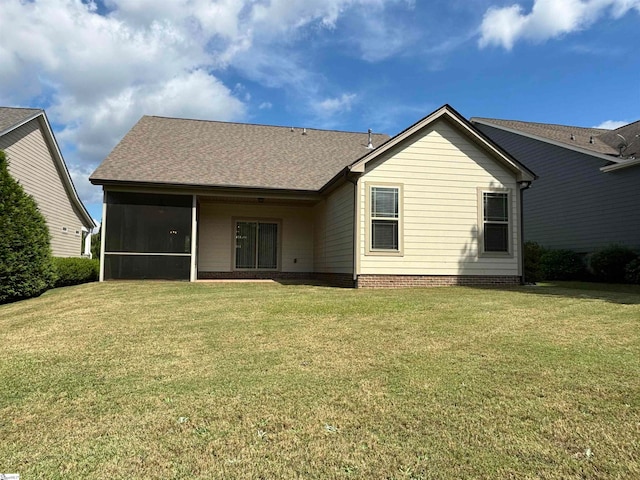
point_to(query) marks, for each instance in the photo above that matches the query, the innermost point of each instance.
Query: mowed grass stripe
(214, 380)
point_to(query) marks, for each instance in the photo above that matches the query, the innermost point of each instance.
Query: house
(437, 204)
(35, 161)
(587, 196)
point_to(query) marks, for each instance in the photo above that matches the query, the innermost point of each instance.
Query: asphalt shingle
(10, 116)
(208, 153)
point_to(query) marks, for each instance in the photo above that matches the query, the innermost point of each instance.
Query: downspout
(524, 185)
(356, 225)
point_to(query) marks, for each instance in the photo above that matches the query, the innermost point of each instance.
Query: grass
(176, 380)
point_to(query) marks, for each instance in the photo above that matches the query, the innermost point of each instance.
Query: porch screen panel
(147, 236)
(137, 267)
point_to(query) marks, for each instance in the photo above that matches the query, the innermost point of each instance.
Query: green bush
(562, 265)
(532, 254)
(609, 265)
(73, 271)
(26, 267)
(632, 271)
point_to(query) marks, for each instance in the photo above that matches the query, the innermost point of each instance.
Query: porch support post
(103, 233)
(194, 239)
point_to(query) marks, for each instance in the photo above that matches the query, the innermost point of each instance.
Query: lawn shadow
(612, 293)
(311, 282)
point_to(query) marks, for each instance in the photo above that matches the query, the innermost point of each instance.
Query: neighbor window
(384, 215)
(257, 245)
(495, 228)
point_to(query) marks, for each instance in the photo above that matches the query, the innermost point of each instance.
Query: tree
(95, 244)
(26, 266)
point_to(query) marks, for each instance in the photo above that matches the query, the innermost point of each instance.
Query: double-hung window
(256, 245)
(384, 216)
(495, 222)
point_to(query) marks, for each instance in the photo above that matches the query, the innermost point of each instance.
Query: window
(257, 245)
(495, 228)
(384, 214)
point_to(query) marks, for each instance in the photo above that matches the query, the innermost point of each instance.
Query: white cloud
(97, 73)
(611, 124)
(86, 191)
(547, 19)
(265, 106)
(96, 128)
(334, 106)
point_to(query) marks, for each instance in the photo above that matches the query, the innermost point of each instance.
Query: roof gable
(448, 113)
(12, 118)
(173, 151)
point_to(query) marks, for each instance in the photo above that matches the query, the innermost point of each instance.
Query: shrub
(562, 265)
(26, 267)
(632, 271)
(532, 254)
(73, 271)
(608, 265)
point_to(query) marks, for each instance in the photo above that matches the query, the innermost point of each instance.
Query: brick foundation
(345, 280)
(403, 281)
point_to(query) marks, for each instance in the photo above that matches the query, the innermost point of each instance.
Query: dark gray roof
(178, 151)
(581, 137)
(630, 142)
(10, 116)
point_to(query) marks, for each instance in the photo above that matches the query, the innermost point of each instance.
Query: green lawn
(254, 380)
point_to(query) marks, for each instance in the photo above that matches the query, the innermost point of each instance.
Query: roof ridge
(163, 117)
(541, 123)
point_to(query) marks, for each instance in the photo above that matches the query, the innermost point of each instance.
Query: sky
(96, 67)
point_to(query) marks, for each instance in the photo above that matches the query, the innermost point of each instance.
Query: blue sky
(97, 67)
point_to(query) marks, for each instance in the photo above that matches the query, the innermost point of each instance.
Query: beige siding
(333, 240)
(31, 163)
(216, 248)
(440, 173)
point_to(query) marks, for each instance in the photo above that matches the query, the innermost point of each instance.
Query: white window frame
(482, 222)
(369, 250)
(234, 227)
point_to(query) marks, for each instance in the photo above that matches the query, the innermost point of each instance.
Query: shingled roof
(10, 116)
(184, 152)
(596, 140)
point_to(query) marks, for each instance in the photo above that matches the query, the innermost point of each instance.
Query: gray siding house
(587, 195)
(438, 204)
(35, 161)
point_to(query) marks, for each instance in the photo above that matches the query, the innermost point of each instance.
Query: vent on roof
(370, 144)
(304, 131)
(573, 137)
(591, 139)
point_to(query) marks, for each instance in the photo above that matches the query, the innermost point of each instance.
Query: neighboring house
(438, 204)
(587, 196)
(36, 162)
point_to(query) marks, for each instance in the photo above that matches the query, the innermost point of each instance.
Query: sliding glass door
(256, 245)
